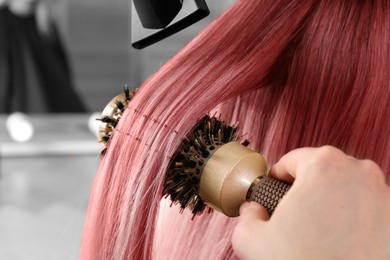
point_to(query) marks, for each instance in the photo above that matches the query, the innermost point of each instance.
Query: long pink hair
(290, 73)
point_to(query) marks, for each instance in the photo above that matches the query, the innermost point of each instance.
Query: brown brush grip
(268, 192)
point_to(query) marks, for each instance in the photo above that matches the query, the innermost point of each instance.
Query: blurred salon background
(61, 61)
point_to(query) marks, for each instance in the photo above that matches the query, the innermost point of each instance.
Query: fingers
(291, 164)
(286, 168)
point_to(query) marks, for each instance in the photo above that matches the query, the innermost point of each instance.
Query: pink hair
(291, 73)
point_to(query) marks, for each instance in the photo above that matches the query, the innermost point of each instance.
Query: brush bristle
(183, 175)
(110, 120)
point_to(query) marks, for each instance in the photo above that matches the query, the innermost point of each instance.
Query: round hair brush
(212, 169)
(111, 115)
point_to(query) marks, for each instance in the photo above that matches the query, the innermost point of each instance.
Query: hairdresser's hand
(337, 208)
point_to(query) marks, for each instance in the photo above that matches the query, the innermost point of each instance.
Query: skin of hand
(337, 208)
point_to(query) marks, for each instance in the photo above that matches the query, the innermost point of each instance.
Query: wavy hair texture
(290, 73)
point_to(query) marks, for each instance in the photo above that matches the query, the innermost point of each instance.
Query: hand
(337, 208)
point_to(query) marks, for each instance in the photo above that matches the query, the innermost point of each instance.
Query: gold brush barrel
(234, 174)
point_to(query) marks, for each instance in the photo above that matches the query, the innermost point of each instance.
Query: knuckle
(371, 167)
(369, 164)
(372, 173)
(327, 161)
(328, 155)
(329, 150)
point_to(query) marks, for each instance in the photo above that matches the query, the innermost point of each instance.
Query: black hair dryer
(157, 14)
(154, 20)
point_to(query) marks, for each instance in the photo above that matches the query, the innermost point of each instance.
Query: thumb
(250, 223)
(252, 217)
(251, 211)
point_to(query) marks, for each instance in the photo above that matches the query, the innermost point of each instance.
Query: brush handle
(268, 192)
